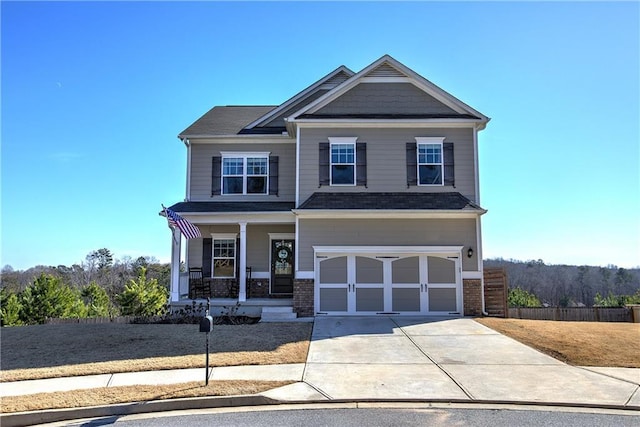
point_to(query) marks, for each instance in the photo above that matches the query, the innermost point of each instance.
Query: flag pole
(164, 209)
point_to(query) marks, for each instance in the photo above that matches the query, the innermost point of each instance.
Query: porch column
(242, 288)
(175, 264)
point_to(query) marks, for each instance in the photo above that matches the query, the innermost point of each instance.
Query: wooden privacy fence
(87, 320)
(578, 314)
(495, 292)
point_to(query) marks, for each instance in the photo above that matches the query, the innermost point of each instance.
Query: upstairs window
(342, 161)
(247, 174)
(430, 161)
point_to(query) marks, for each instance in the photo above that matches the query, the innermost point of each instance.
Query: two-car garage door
(368, 282)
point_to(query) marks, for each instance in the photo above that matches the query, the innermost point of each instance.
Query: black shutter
(273, 175)
(361, 163)
(207, 254)
(216, 174)
(323, 164)
(412, 164)
(449, 173)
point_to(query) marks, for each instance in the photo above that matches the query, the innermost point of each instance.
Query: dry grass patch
(576, 343)
(139, 393)
(49, 351)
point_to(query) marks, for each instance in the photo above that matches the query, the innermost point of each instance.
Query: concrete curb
(20, 419)
(54, 415)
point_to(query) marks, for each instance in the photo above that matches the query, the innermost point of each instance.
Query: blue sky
(94, 94)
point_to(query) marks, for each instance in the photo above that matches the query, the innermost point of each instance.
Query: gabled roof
(302, 98)
(227, 120)
(450, 201)
(307, 104)
(387, 69)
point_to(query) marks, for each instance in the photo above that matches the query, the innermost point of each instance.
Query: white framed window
(430, 160)
(223, 259)
(342, 161)
(245, 173)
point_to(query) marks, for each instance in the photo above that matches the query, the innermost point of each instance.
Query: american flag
(189, 230)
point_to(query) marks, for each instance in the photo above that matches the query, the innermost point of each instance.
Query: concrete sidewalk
(399, 358)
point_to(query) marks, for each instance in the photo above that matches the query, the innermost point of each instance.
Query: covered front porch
(244, 258)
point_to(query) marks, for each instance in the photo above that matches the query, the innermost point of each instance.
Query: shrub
(48, 297)
(143, 297)
(97, 301)
(518, 297)
(612, 300)
(9, 308)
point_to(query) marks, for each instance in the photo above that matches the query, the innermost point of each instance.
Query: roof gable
(350, 96)
(275, 118)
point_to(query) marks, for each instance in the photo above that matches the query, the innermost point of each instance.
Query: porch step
(278, 314)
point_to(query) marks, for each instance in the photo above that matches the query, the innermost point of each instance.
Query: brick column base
(472, 297)
(303, 297)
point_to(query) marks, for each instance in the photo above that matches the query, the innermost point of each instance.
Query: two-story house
(358, 195)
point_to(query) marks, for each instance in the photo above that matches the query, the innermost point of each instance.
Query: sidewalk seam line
(110, 380)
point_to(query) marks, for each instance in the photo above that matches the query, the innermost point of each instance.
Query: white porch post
(242, 288)
(175, 264)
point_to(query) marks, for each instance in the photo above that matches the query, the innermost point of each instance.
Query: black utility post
(206, 326)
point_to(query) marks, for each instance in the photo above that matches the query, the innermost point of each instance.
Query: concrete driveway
(446, 359)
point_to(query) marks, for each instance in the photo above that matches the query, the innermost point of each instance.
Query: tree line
(99, 286)
(535, 284)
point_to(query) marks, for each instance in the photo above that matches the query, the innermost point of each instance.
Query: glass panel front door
(282, 266)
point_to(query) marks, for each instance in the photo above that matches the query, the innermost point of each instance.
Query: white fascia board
(387, 249)
(471, 274)
(220, 139)
(300, 95)
(388, 214)
(386, 123)
(205, 218)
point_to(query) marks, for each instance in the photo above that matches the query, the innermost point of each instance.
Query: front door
(282, 266)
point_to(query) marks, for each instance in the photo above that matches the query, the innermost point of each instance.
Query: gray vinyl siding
(258, 249)
(385, 98)
(385, 232)
(202, 153)
(386, 160)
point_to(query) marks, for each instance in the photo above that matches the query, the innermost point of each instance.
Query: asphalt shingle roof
(227, 120)
(388, 201)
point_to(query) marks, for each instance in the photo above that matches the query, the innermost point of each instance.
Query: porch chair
(198, 286)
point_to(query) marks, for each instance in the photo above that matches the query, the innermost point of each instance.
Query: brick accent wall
(258, 288)
(303, 297)
(472, 297)
(224, 288)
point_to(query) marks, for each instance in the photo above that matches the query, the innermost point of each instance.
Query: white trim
(188, 189)
(206, 218)
(202, 138)
(245, 154)
(242, 288)
(471, 274)
(305, 274)
(430, 140)
(387, 250)
(176, 240)
(342, 140)
(296, 248)
(381, 213)
(224, 236)
(298, 135)
(282, 236)
(476, 171)
(385, 123)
